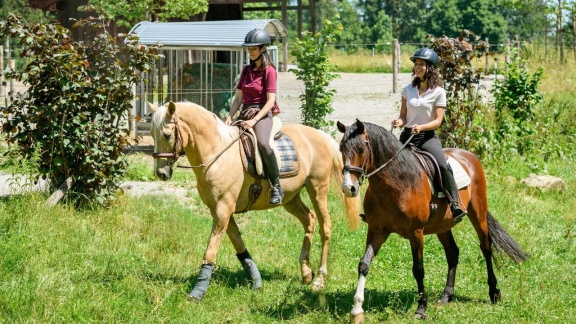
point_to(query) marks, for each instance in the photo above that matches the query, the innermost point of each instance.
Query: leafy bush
(515, 101)
(73, 115)
(314, 68)
(461, 81)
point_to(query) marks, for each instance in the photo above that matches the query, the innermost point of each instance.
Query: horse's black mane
(404, 169)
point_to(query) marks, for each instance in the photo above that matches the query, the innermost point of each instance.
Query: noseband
(177, 142)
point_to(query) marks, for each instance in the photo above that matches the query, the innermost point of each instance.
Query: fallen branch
(58, 194)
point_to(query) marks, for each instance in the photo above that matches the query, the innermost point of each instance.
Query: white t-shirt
(420, 108)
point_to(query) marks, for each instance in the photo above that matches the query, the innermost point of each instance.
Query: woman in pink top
(256, 90)
(422, 111)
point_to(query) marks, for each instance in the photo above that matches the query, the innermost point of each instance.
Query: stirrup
(457, 213)
(276, 196)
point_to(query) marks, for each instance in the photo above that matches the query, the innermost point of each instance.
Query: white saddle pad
(460, 176)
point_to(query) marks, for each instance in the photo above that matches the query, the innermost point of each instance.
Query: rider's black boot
(273, 174)
(452, 194)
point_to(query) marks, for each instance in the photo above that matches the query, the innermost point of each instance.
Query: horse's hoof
(420, 315)
(192, 298)
(444, 300)
(356, 319)
(495, 297)
(307, 278)
(318, 284)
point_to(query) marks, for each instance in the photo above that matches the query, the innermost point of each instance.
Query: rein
(175, 154)
(361, 170)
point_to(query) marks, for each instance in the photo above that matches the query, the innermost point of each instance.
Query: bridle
(178, 142)
(361, 171)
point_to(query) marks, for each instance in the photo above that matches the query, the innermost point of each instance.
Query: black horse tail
(503, 242)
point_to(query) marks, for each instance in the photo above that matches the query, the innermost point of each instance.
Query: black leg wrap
(250, 269)
(363, 268)
(243, 256)
(201, 286)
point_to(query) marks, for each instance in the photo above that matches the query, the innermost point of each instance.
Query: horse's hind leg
(481, 227)
(308, 220)
(248, 264)
(452, 252)
(318, 193)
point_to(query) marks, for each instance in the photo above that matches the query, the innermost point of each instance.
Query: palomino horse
(398, 199)
(224, 185)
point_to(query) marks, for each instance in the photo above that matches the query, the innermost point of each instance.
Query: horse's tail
(352, 204)
(503, 242)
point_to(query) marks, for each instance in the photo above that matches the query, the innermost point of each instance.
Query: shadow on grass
(301, 300)
(297, 300)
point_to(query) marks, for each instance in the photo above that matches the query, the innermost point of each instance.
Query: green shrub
(74, 112)
(315, 70)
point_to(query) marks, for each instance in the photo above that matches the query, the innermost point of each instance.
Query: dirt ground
(368, 97)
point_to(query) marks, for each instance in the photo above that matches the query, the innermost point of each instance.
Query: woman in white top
(422, 111)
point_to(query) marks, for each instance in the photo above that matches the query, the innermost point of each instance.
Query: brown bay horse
(397, 200)
(213, 150)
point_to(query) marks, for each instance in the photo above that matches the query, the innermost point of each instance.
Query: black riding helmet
(256, 37)
(426, 54)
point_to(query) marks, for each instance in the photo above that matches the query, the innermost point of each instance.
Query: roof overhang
(218, 35)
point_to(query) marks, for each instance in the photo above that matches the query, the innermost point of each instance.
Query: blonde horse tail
(352, 204)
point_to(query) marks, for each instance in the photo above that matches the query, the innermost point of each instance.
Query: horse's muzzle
(164, 173)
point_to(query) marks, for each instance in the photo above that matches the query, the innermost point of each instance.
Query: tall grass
(136, 261)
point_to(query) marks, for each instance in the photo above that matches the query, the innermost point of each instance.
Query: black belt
(248, 106)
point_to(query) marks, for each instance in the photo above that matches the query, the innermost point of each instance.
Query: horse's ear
(341, 127)
(171, 108)
(360, 126)
(152, 106)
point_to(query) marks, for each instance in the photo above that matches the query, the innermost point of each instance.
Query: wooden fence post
(507, 50)
(395, 64)
(12, 64)
(2, 92)
(487, 55)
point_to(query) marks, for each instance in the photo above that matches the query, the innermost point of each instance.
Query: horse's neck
(203, 140)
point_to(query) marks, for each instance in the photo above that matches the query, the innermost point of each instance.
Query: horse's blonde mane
(227, 133)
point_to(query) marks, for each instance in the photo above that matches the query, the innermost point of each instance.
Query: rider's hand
(228, 120)
(416, 129)
(397, 123)
(247, 124)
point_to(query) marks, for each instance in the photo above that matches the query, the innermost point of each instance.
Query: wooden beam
(270, 9)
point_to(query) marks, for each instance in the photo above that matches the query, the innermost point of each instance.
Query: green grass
(136, 261)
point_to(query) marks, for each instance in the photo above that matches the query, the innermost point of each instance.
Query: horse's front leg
(248, 264)
(219, 225)
(373, 244)
(417, 246)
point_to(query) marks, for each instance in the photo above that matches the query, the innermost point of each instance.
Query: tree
(128, 13)
(21, 9)
(445, 18)
(527, 18)
(72, 119)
